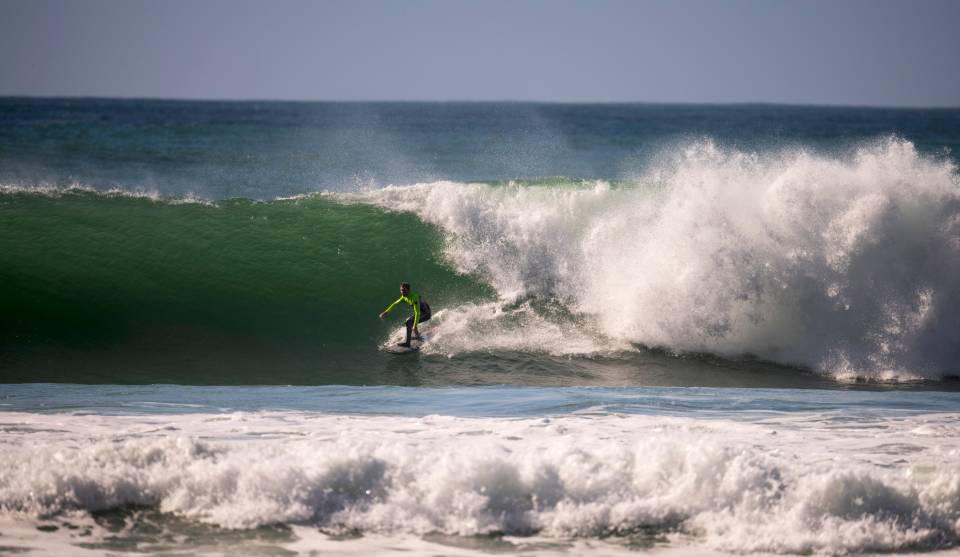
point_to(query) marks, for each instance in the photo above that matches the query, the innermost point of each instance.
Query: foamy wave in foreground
(806, 484)
(847, 265)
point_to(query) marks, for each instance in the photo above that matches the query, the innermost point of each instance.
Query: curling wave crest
(849, 265)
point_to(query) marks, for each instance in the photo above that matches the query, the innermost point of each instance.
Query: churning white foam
(510, 326)
(849, 265)
(804, 484)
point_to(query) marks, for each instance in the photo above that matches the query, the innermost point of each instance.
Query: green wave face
(110, 288)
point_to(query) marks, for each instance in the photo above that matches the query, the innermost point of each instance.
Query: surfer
(421, 312)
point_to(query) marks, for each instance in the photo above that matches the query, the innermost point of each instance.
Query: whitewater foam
(504, 326)
(802, 484)
(849, 264)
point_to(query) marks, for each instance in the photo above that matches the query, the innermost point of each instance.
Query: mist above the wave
(847, 264)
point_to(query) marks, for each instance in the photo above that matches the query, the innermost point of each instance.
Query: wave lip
(849, 265)
(728, 486)
(79, 189)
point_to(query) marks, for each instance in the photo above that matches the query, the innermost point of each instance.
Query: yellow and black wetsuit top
(413, 300)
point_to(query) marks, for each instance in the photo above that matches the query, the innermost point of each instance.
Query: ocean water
(674, 329)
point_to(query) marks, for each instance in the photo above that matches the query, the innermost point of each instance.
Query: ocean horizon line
(385, 101)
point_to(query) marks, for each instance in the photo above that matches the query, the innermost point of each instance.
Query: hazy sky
(861, 52)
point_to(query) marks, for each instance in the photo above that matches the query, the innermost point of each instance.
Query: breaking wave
(849, 265)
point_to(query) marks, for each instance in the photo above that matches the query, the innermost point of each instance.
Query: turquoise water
(492, 401)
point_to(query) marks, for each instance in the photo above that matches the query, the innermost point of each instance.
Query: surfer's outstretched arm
(390, 307)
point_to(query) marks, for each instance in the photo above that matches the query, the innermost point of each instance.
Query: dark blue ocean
(263, 150)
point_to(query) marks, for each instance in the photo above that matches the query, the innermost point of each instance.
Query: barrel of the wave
(122, 287)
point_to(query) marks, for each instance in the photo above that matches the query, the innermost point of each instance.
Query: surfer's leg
(424, 316)
(409, 324)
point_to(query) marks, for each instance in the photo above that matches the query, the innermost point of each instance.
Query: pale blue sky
(859, 52)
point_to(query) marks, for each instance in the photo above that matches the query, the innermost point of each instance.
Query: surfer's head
(404, 288)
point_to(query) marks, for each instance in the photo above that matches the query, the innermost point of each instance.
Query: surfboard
(397, 349)
(393, 347)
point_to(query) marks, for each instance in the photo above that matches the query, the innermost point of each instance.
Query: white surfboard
(397, 349)
(394, 347)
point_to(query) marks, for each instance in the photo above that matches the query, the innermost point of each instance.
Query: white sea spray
(849, 264)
